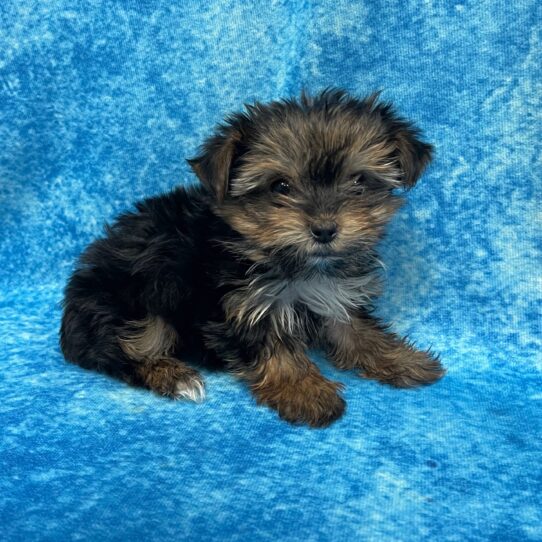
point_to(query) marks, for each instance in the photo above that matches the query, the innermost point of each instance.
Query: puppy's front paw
(408, 369)
(312, 401)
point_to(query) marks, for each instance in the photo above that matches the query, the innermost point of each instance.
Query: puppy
(272, 252)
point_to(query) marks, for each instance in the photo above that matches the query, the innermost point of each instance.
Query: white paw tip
(192, 389)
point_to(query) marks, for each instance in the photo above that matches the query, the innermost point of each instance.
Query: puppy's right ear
(214, 164)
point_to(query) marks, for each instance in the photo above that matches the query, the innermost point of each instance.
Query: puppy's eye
(359, 180)
(359, 183)
(281, 187)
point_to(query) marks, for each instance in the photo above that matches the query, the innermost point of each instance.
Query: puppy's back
(146, 263)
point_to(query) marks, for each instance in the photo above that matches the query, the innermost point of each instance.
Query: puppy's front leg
(290, 383)
(364, 344)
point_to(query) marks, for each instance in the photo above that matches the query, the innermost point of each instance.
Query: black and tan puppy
(273, 252)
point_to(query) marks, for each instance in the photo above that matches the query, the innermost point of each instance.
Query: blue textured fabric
(100, 102)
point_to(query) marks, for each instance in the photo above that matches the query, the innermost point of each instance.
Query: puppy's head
(311, 180)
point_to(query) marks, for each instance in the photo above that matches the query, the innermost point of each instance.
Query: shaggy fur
(271, 253)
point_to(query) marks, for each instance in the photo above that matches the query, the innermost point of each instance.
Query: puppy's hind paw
(174, 379)
(191, 387)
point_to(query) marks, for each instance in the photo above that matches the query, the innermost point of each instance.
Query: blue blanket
(100, 102)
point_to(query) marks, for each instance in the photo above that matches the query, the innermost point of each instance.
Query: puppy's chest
(281, 299)
(321, 296)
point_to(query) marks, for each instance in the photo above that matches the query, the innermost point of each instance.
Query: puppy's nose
(324, 233)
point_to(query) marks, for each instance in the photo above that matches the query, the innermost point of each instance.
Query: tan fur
(292, 385)
(267, 226)
(375, 157)
(149, 338)
(356, 220)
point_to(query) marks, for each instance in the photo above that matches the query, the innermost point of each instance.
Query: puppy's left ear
(413, 154)
(214, 164)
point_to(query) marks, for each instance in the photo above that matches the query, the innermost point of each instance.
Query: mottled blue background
(100, 102)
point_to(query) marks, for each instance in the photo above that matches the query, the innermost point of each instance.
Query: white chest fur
(325, 296)
(280, 299)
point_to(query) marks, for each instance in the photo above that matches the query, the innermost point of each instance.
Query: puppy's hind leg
(150, 343)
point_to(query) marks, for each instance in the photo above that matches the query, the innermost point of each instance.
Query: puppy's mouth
(323, 251)
(323, 256)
